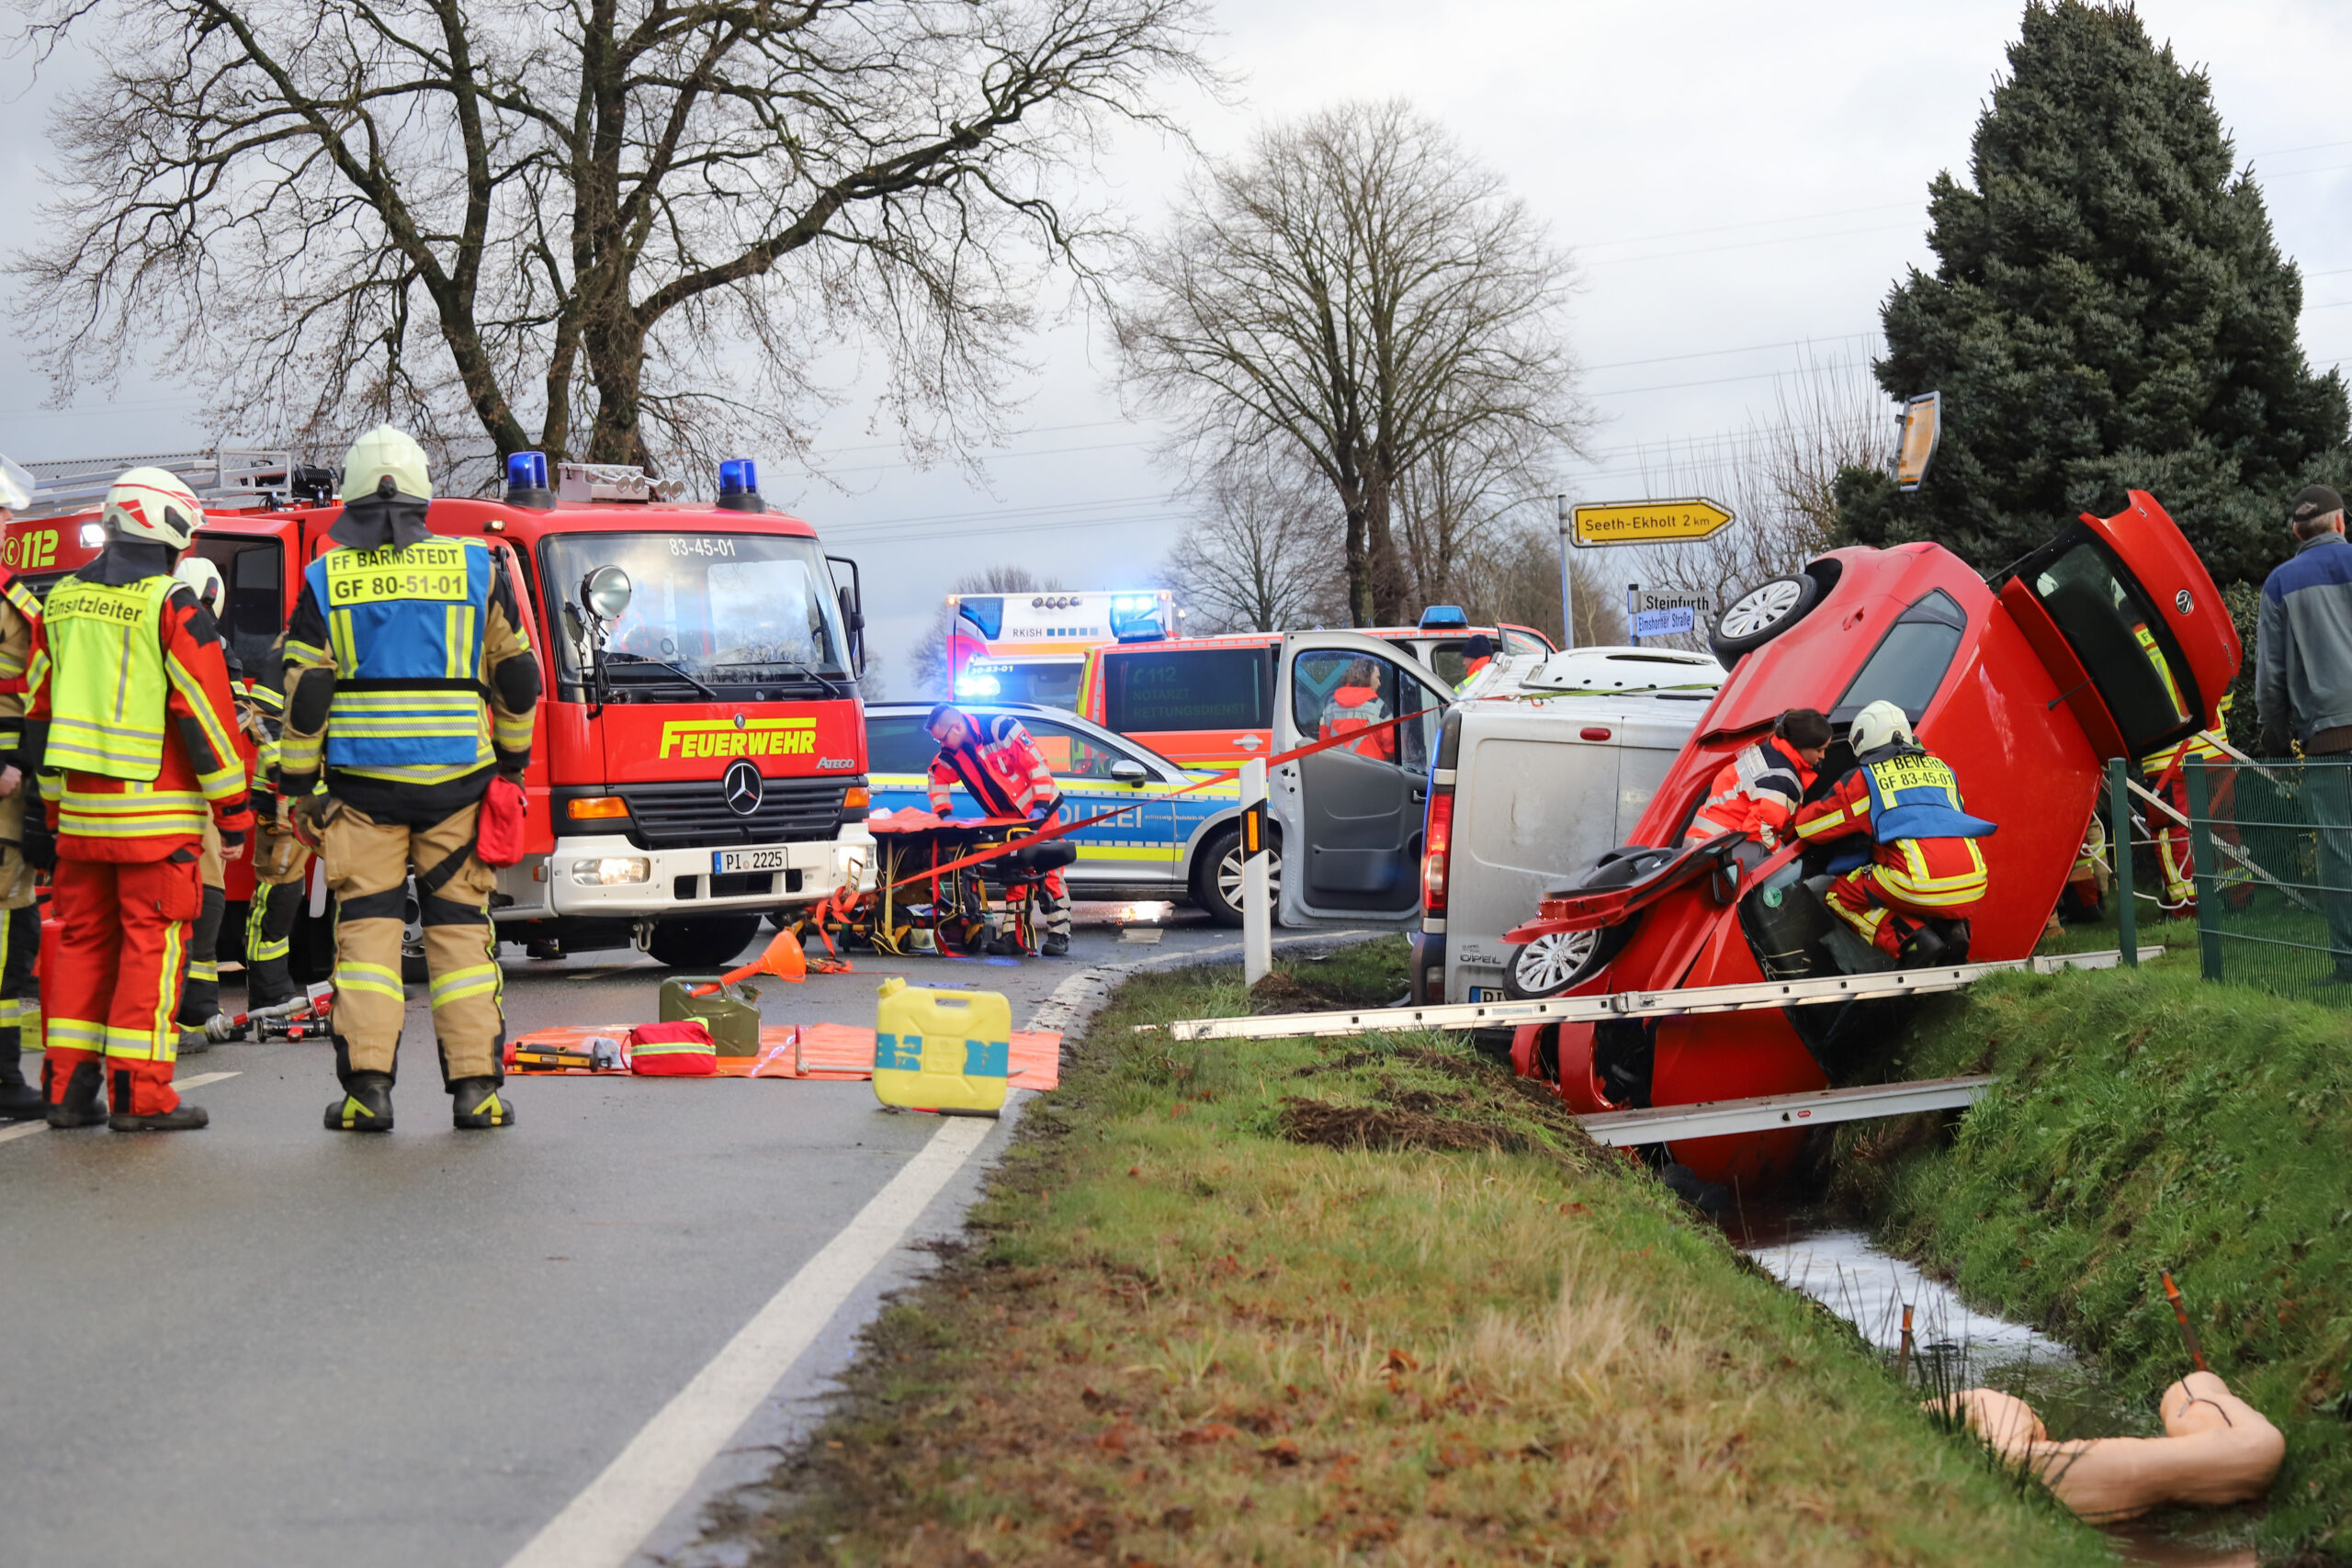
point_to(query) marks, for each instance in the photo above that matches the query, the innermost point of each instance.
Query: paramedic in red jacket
(1924, 861)
(1758, 792)
(1000, 766)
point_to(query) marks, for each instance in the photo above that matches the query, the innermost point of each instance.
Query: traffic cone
(782, 959)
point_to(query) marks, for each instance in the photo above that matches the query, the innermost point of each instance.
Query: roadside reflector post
(2208, 882)
(2118, 849)
(1256, 901)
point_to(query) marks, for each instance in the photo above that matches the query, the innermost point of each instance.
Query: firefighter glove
(40, 845)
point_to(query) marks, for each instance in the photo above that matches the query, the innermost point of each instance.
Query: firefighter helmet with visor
(149, 504)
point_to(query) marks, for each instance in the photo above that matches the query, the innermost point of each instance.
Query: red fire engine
(699, 757)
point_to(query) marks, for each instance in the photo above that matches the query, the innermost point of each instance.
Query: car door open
(1354, 810)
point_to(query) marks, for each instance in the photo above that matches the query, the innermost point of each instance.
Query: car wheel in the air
(1216, 877)
(1762, 613)
(1549, 965)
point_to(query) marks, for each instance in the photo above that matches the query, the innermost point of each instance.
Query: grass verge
(1304, 1301)
(2146, 1120)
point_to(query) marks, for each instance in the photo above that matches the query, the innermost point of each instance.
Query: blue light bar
(527, 470)
(977, 686)
(1445, 617)
(738, 475)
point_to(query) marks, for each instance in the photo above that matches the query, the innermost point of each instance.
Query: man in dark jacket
(2302, 690)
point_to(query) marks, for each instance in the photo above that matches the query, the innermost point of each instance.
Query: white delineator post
(1256, 900)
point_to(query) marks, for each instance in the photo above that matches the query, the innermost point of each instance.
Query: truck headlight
(612, 870)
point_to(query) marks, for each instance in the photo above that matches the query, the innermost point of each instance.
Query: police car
(1183, 847)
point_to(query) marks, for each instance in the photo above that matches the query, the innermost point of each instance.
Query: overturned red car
(2109, 641)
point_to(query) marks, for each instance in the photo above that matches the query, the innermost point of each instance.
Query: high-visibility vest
(1915, 796)
(2163, 666)
(108, 687)
(405, 627)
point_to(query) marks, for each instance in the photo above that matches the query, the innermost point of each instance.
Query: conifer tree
(2107, 311)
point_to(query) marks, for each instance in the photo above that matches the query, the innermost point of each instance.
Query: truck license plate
(724, 862)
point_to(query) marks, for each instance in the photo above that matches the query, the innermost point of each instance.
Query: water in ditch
(1963, 1347)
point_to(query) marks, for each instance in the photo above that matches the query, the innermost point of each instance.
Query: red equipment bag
(499, 828)
(683, 1049)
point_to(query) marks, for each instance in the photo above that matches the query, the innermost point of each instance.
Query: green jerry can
(945, 1051)
(733, 1021)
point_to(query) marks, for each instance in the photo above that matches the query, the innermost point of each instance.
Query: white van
(1531, 788)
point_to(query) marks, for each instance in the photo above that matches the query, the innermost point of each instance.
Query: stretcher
(919, 886)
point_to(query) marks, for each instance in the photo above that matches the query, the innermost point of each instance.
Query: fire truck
(698, 758)
(1032, 648)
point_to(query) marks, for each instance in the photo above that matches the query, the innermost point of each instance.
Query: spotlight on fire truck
(607, 592)
(527, 481)
(94, 534)
(739, 486)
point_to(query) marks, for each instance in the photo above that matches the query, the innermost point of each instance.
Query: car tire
(1549, 965)
(1762, 613)
(710, 941)
(1216, 877)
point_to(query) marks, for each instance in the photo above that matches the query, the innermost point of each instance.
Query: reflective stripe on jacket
(108, 687)
(1759, 787)
(405, 628)
(1914, 795)
(1004, 773)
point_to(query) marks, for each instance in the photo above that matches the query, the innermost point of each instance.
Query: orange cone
(783, 959)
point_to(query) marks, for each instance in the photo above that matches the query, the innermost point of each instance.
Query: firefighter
(1001, 767)
(1355, 703)
(410, 675)
(132, 718)
(200, 988)
(281, 860)
(1758, 792)
(1924, 864)
(19, 914)
(2168, 776)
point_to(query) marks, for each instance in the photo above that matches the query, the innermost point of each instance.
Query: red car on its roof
(2109, 641)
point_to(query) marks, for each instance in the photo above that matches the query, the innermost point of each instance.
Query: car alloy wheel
(1762, 613)
(1551, 963)
(1228, 876)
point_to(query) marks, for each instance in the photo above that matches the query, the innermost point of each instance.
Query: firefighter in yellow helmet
(410, 678)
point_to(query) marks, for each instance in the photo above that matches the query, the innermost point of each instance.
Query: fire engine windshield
(719, 609)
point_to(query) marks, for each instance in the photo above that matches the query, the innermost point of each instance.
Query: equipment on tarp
(780, 958)
(733, 1021)
(944, 1051)
(684, 1049)
(596, 1056)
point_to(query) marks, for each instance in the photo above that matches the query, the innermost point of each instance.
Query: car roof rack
(225, 478)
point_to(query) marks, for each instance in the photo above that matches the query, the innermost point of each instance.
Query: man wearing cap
(2302, 690)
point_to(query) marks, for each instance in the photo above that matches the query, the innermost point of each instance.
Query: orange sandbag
(2216, 1449)
(783, 959)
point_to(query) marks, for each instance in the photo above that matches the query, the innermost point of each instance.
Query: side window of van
(1334, 692)
(1168, 689)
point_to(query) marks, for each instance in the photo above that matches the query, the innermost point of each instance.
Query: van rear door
(1353, 812)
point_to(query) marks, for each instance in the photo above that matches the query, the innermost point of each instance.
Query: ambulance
(1032, 648)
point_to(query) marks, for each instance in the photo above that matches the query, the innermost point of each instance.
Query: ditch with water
(1956, 1347)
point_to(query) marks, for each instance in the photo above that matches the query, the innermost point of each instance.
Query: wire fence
(2268, 848)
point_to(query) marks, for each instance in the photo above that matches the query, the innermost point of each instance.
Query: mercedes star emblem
(741, 787)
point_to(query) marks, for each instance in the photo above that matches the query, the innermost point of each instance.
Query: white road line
(602, 1527)
(27, 1129)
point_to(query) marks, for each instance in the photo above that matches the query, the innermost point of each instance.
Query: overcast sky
(1737, 182)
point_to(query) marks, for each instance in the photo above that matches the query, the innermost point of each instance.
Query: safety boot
(19, 1101)
(478, 1103)
(364, 1105)
(1056, 944)
(182, 1118)
(78, 1105)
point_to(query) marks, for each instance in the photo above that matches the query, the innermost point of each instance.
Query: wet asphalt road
(263, 1343)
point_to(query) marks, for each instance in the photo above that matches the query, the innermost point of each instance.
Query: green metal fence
(2272, 845)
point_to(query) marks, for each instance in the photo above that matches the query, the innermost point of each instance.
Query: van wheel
(1762, 613)
(1216, 877)
(709, 942)
(1549, 965)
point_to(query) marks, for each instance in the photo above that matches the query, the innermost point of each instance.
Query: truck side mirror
(854, 619)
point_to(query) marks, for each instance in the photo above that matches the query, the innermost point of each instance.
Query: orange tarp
(807, 1051)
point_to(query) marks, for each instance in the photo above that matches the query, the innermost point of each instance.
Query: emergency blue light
(1444, 619)
(1134, 617)
(977, 686)
(527, 470)
(738, 475)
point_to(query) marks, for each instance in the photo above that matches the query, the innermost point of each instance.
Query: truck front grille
(673, 816)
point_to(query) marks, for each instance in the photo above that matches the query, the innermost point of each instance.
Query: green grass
(1306, 1302)
(2147, 1120)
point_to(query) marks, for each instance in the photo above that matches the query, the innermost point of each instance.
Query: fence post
(1257, 899)
(2118, 849)
(2201, 846)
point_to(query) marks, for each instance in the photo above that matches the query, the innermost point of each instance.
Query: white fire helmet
(15, 487)
(386, 453)
(1881, 724)
(149, 503)
(203, 578)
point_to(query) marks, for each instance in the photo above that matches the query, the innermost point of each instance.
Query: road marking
(603, 1526)
(27, 1129)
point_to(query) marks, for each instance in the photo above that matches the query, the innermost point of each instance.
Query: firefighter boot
(364, 1105)
(478, 1103)
(1922, 944)
(19, 1101)
(270, 983)
(74, 1103)
(182, 1118)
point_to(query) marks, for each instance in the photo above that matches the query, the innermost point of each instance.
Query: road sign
(1665, 623)
(1921, 422)
(1648, 522)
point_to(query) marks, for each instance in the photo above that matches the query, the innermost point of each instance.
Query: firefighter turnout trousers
(113, 984)
(201, 987)
(19, 941)
(367, 864)
(1912, 880)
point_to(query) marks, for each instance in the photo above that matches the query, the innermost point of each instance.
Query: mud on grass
(1181, 1333)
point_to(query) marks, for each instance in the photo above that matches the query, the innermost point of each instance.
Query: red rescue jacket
(1004, 771)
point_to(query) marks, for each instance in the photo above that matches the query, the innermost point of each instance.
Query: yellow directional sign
(1648, 522)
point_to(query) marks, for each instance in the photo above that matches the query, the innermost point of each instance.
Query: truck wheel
(709, 942)
(1762, 613)
(1216, 877)
(1549, 965)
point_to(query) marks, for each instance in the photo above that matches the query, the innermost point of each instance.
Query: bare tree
(633, 224)
(929, 658)
(1260, 557)
(1355, 295)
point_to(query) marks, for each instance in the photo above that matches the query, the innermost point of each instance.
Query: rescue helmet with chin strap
(1880, 724)
(203, 578)
(149, 504)
(386, 455)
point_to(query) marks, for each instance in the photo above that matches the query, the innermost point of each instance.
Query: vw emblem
(2183, 603)
(741, 787)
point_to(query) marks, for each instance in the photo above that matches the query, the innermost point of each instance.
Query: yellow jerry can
(948, 1050)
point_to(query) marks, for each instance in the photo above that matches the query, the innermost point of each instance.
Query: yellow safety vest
(107, 688)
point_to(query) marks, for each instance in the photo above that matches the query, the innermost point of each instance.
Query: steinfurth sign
(1648, 522)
